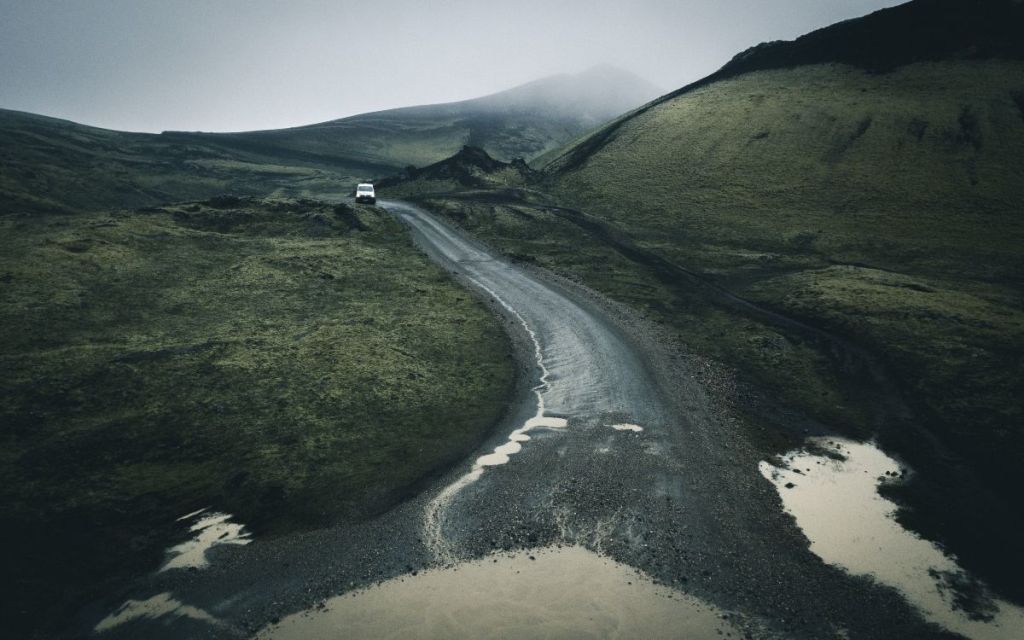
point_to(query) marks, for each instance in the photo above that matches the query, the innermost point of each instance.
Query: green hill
(839, 218)
(48, 164)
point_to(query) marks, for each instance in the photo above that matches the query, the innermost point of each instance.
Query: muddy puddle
(162, 606)
(209, 529)
(635, 428)
(551, 593)
(831, 489)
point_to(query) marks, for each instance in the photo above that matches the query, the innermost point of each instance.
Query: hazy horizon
(151, 66)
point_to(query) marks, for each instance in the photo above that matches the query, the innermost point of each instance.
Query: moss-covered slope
(291, 363)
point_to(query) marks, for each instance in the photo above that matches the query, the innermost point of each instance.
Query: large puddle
(551, 593)
(832, 491)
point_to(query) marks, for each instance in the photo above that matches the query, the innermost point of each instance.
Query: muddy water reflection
(833, 494)
(161, 606)
(209, 529)
(562, 593)
(635, 428)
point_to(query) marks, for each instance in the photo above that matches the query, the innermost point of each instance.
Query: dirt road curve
(612, 443)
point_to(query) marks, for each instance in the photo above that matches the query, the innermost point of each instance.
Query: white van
(365, 193)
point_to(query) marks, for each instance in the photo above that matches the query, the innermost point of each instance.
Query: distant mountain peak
(608, 71)
(524, 121)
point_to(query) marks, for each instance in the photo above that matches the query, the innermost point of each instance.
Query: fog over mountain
(595, 95)
(242, 65)
(523, 121)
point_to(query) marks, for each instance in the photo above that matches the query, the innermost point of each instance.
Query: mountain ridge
(940, 29)
(550, 88)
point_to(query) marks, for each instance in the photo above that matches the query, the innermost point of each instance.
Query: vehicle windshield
(365, 187)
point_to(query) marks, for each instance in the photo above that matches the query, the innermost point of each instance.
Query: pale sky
(234, 65)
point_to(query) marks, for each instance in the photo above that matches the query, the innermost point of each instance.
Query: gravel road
(617, 440)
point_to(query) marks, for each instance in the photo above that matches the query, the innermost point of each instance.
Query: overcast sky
(231, 65)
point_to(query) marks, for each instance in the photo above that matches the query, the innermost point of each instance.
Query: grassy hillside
(54, 165)
(917, 169)
(288, 362)
(824, 190)
(863, 185)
